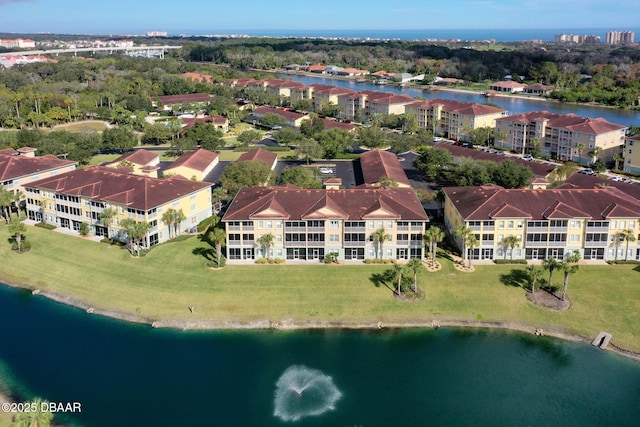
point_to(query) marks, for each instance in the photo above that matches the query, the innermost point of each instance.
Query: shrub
(84, 229)
(379, 261)
(25, 246)
(261, 261)
(510, 261)
(331, 258)
(621, 261)
(46, 226)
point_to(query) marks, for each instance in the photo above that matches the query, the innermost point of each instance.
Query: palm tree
(440, 198)
(136, 232)
(414, 265)
(434, 235)
(463, 232)
(595, 153)
(217, 236)
(178, 217)
(379, 236)
(167, 219)
(510, 242)
(617, 158)
(551, 264)
(472, 243)
(397, 272)
(17, 229)
(618, 239)
(107, 216)
(569, 267)
(628, 236)
(6, 198)
(533, 272)
(580, 149)
(266, 241)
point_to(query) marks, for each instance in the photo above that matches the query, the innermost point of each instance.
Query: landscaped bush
(621, 261)
(45, 225)
(25, 246)
(264, 260)
(379, 261)
(510, 261)
(112, 242)
(331, 258)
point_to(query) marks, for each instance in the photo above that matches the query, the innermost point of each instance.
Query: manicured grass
(102, 158)
(93, 125)
(172, 277)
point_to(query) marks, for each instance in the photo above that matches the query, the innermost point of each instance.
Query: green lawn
(89, 125)
(172, 277)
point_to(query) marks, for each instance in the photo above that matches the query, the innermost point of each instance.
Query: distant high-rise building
(620, 37)
(157, 34)
(574, 38)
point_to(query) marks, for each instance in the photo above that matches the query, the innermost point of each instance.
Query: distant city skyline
(198, 17)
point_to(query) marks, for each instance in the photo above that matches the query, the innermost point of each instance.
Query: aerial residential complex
(546, 223)
(82, 195)
(561, 136)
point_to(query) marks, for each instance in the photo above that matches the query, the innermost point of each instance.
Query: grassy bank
(173, 277)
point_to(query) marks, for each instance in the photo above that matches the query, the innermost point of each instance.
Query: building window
(371, 225)
(510, 225)
(334, 238)
(613, 224)
(501, 225)
(574, 238)
(334, 224)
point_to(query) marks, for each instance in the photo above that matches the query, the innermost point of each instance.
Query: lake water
(126, 374)
(511, 104)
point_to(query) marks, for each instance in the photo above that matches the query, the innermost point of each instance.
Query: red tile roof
(298, 204)
(216, 120)
(13, 166)
(379, 163)
(198, 77)
(197, 160)
(334, 124)
(460, 107)
(259, 155)
(490, 202)
(580, 180)
(110, 185)
(179, 99)
(567, 121)
(287, 115)
(137, 157)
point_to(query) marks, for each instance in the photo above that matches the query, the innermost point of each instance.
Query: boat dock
(602, 340)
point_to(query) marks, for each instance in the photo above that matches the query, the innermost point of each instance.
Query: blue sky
(219, 16)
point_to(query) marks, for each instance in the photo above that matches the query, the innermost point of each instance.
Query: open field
(83, 126)
(174, 276)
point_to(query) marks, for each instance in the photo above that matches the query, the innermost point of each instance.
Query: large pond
(513, 105)
(126, 374)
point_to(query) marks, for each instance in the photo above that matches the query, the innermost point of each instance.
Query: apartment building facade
(307, 225)
(564, 137)
(453, 119)
(82, 195)
(546, 223)
(22, 167)
(631, 154)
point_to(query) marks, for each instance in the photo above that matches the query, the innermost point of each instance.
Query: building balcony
(535, 244)
(296, 229)
(355, 229)
(597, 229)
(355, 244)
(595, 244)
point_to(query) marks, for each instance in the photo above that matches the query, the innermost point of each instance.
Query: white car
(528, 158)
(326, 170)
(616, 178)
(587, 171)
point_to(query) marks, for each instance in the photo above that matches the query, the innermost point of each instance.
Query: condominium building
(82, 195)
(22, 167)
(453, 119)
(631, 154)
(561, 136)
(620, 37)
(309, 224)
(546, 223)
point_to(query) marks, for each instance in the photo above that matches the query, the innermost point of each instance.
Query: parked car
(326, 170)
(616, 178)
(587, 171)
(528, 158)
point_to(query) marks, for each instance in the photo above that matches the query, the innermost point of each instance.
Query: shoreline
(293, 325)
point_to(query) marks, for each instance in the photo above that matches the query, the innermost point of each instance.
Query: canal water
(127, 374)
(513, 105)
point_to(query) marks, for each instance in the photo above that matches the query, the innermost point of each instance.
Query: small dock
(602, 340)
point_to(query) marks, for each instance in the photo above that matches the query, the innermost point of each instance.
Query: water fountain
(303, 392)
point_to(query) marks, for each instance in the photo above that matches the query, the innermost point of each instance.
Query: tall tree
(266, 241)
(533, 275)
(569, 266)
(434, 235)
(472, 243)
(510, 242)
(244, 174)
(17, 230)
(107, 216)
(628, 236)
(217, 236)
(463, 232)
(551, 264)
(414, 266)
(379, 237)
